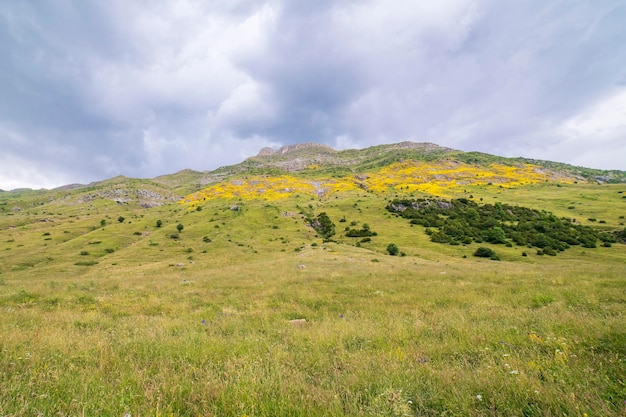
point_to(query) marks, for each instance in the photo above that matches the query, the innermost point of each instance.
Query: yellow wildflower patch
(270, 188)
(435, 178)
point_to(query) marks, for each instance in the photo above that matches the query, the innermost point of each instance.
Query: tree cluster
(462, 221)
(323, 225)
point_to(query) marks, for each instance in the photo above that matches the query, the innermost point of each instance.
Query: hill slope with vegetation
(405, 279)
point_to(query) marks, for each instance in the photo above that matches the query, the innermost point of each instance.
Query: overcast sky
(93, 89)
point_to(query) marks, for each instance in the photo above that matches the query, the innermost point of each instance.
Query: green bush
(86, 263)
(549, 251)
(363, 232)
(483, 252)
(392, 249)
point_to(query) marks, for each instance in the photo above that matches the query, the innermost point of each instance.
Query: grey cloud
(145, 89)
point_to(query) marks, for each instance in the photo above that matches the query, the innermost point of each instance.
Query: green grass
(196, 326)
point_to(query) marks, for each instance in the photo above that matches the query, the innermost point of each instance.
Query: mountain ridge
(298, 158)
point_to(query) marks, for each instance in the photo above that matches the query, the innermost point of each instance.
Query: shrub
(180, 227)
(365, 231)
(86, 263)
(549, 251)
(121, 219)
(392, 249)
(440, 237)
(483, 252)
(159, 223)
(495, 235)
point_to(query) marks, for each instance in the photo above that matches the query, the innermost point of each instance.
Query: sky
(93, 89)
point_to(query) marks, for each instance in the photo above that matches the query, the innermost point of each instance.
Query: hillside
(294, 182)
(405, 279)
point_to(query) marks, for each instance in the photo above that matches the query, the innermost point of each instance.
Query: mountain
(288, 176)
(311, 159)
(300, 157)
(424, 167)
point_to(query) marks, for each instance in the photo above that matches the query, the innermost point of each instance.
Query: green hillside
(272, 288)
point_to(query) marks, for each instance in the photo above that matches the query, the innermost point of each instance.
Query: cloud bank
(92, 90)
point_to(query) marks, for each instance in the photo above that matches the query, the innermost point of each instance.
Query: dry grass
(184, 327)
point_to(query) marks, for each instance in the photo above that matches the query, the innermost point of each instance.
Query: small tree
(180, 227)
(103, 222)
(121, 219)
(392, 248)
(159, 223)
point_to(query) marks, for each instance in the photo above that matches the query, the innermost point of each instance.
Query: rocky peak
(423, 146)
(294, 148)
(266, 152)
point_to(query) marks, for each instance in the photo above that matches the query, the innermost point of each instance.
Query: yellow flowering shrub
(433, 178)
(270, 188)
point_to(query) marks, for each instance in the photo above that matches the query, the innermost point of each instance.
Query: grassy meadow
(247, 312)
